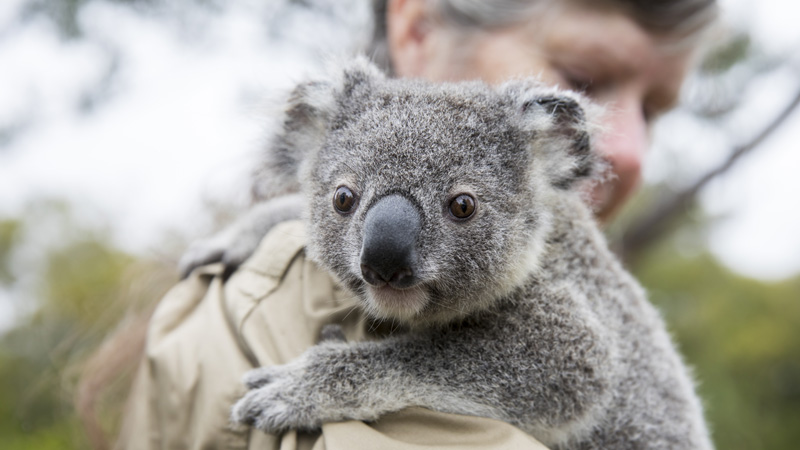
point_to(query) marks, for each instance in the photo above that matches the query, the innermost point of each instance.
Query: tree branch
(655, 224)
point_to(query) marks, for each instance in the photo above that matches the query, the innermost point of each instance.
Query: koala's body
(452, 210)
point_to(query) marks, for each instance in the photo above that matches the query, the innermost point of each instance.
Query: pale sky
(184, 122)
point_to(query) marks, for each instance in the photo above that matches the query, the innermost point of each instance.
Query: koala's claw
(332, 333)
(243, 411)
(275, 403)
(230, 247)
(256, 378)
(263, 409)
(199, 254)
(234, 245)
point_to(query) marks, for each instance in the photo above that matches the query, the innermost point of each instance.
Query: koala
(234, 244)
(454, 210)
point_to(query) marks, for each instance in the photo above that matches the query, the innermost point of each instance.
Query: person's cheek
(622, 144)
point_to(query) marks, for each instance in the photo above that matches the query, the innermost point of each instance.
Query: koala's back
(588, 321)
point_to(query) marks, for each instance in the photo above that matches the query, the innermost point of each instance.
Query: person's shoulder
(279, 300)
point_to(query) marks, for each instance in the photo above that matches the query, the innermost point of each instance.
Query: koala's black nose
(388, 254)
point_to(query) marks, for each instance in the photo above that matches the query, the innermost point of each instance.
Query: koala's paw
(227, 247)
(199, 254)
(239, 251)
(332, 333)
(276, 402)
(258, 377)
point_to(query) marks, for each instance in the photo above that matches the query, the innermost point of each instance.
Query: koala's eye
(344, 200)
(462, 207)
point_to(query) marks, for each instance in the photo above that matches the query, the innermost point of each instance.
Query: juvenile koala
(453, 210)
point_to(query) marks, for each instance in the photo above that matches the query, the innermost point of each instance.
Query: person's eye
(652, 110)
(578, 83)
(654, 106)
(648, 114)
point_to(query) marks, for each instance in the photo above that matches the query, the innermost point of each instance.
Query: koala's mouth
(389, 302)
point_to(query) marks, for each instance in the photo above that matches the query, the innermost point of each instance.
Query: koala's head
(430, 200)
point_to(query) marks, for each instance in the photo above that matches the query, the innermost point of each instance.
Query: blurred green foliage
(727, 54)
(82, 288)
(9, 230)
(743, 338)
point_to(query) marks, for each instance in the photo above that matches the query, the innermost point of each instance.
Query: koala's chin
(386, 302)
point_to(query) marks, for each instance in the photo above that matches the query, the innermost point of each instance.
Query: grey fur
(520, 313)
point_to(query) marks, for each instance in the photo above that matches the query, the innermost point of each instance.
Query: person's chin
(609, 197)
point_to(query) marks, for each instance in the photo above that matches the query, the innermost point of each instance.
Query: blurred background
(127, 128)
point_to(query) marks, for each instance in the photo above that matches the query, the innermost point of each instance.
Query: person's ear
(408, 30)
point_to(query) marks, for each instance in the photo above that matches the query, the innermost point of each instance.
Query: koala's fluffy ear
(358, 72)
(309, 114)
(560, 131)
(306, 117)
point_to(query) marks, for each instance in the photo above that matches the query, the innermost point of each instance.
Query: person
(628, 55)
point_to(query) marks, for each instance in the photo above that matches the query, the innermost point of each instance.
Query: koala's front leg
(330, 382)
(361, 381)
(470, 373)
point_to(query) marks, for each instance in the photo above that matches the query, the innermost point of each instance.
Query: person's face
(601, 52)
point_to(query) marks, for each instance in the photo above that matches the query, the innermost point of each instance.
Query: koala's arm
(234, 244)
(542, 382)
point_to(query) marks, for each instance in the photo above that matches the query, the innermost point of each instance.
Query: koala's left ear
(307, 115)
(313, 108)
(560, 132)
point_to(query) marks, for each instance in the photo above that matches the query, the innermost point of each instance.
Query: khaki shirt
(206, 334)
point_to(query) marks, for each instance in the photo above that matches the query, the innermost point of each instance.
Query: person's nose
(625, 139)
(622, 143)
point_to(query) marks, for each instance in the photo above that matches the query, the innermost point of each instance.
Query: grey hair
(675, 18)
